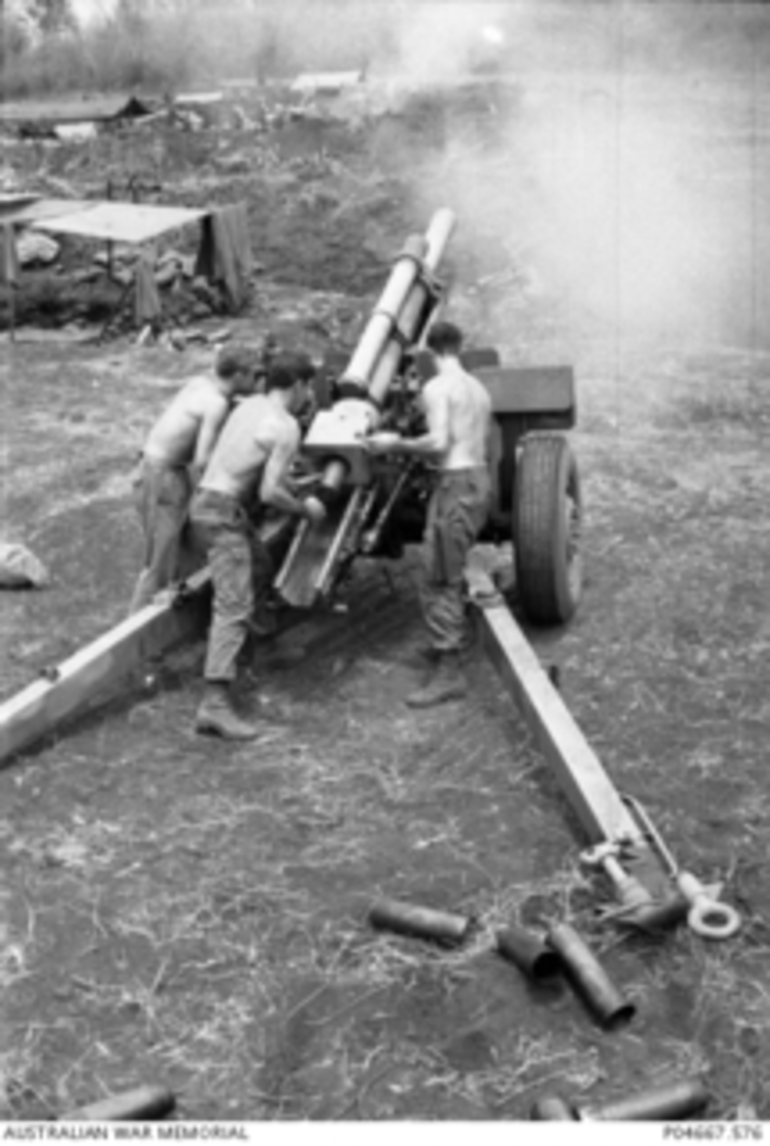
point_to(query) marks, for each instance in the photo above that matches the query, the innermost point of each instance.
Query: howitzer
(335, 440)
(375, 506)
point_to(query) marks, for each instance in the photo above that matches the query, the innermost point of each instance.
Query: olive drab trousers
(162, 497)
(241, 573)
(457, 511)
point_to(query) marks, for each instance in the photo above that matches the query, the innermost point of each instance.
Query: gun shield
(420, 922)
(590, 978)
(530, 953)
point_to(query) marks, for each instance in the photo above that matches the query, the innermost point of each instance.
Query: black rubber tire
(547, 517)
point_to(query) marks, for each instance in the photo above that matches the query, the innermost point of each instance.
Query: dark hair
(235, 359)
(444, 338)
(281, 373)
(286, 369)
(304, 367)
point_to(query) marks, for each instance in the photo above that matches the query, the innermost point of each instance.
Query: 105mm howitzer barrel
(336, 438)
(405, 273)
(421, 255)
(397, 320)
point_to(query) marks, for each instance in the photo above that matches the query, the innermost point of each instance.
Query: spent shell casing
(144, 1102)
(529, 952)
(421, 922)
(552, 1108)
(663, 1103)
(589, 977)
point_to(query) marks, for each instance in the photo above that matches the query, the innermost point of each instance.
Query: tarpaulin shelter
(224, 252)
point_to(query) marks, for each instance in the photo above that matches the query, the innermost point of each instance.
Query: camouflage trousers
(457, 512)
(162, 496)
(241, 573)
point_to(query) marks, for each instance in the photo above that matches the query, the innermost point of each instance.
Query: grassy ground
(194, 912)
(190, 912)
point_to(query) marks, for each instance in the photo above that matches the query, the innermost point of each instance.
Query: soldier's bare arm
(213, 419)
(434, 443)
(274, 489)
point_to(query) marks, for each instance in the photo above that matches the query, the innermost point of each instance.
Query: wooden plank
(578, 770)
(44, 704)
(101, 665)
(586, 785)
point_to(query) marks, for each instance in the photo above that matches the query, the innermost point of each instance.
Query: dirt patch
(197, 913)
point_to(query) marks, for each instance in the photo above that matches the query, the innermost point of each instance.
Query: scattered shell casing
(144, 1102)
(552, 1108)
(589, 977)
(421, 922)
(529, 952)
(663, 1103)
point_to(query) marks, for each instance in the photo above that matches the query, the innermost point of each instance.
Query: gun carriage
(377, 505)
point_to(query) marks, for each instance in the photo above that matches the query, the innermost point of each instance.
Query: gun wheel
(547, 517)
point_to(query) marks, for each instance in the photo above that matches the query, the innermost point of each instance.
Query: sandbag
(20, 569)
(33, 248)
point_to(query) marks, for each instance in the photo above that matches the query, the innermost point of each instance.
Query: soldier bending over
(458, 411)
(253, 455)
(174, 456)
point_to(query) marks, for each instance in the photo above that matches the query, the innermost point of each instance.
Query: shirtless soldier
(174, 456)
(253, 455)
(458, 411)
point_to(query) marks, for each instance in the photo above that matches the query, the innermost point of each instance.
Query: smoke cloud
(629, 178)
(617, 177)
(623, 170)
